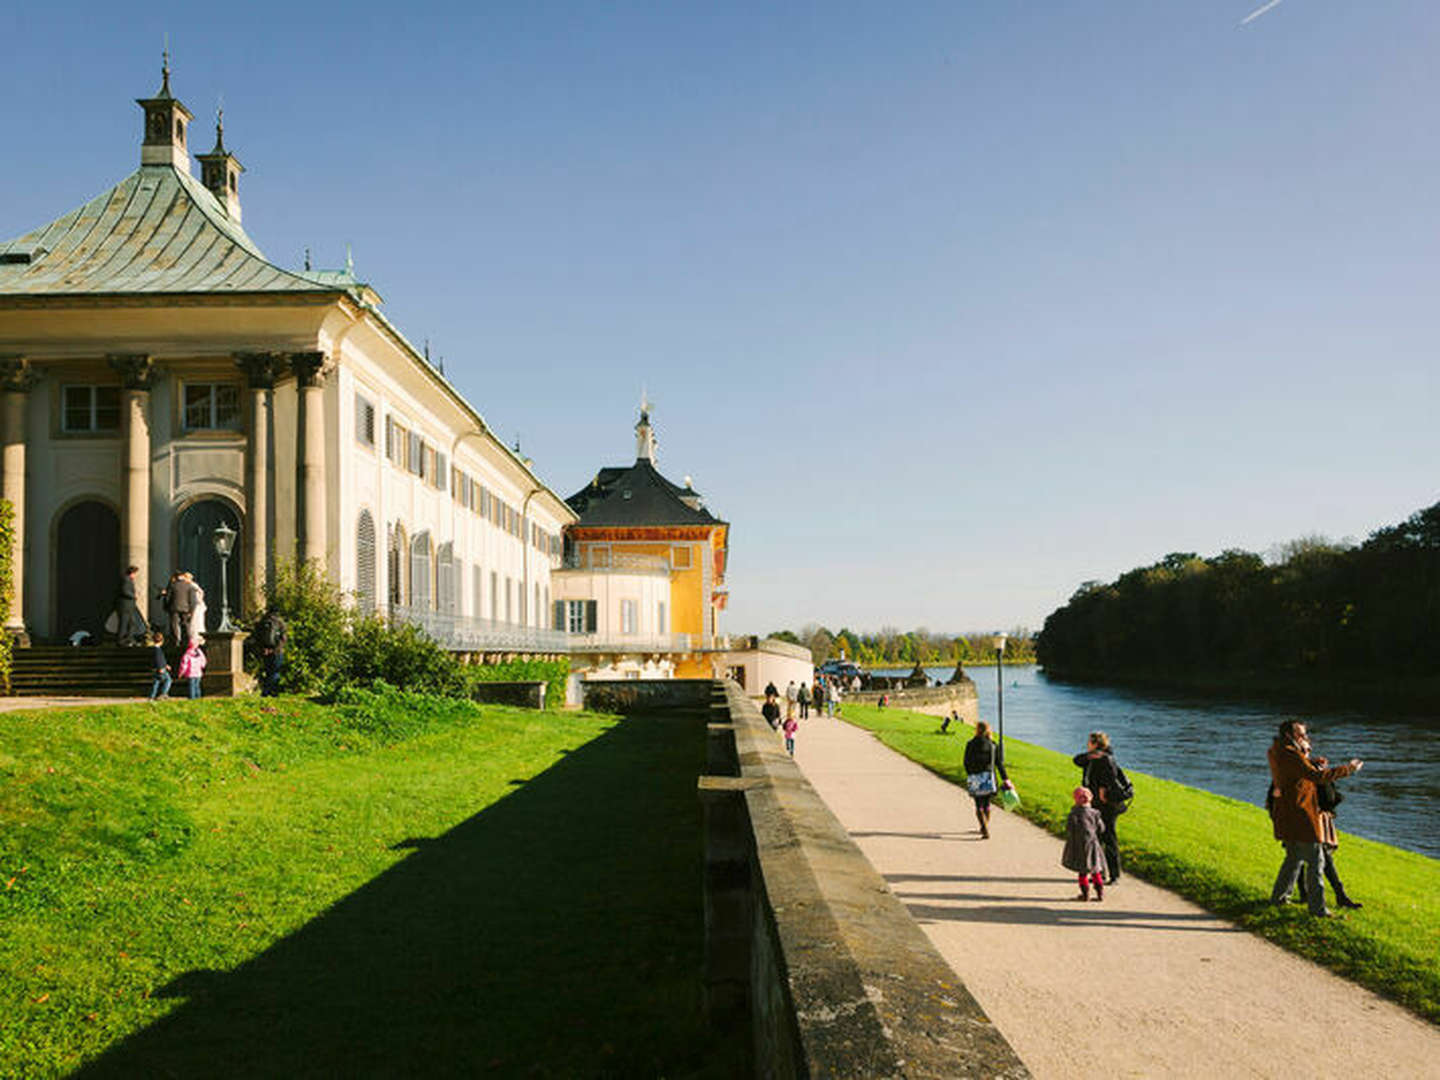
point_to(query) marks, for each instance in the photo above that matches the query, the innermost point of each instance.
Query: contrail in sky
(1261, 10)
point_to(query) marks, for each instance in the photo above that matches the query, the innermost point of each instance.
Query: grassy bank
(382, 887)
(1220, 853)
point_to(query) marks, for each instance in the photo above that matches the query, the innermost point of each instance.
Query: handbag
(981, 783)
(112, 624)
(1328, 797)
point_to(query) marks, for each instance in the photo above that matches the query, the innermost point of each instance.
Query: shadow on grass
(556, 933)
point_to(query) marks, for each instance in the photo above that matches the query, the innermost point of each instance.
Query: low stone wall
(525, 694)
(646, 695)
(807, 949)
(932, 700)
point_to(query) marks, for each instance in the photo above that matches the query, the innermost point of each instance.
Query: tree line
(1316, 607)
(891, 647)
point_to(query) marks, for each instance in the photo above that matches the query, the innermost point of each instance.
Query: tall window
(420, 592)
(364, 421)
(91, 408)
(660, 618)
(581, 616)
(509, 599)
(365, 562)
(212, 406)
(494, 596)
(477, 608)
(680, 557)
(395, 564)
(445, 578)
(627, 616)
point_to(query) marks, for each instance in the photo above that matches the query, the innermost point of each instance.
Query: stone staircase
(66, 671)
(110, 671)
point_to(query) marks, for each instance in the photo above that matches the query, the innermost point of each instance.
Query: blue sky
(947, 308)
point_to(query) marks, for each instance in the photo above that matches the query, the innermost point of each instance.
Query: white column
(309, 368)
(135, 374)
(16, 378)
(261, 371)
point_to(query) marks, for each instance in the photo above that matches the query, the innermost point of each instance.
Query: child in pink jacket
(192, 665)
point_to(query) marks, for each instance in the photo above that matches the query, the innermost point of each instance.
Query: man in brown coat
(1296, 813)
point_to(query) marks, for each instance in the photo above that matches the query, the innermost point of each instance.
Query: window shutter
(592, 616)
(559, 614)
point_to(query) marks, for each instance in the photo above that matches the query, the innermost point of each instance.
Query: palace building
(161, 377)
(643, 582)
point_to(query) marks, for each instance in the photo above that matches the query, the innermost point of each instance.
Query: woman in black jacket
(983, 760)
(1099, 776)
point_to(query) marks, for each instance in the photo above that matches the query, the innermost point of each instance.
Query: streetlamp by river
(1000, 690)
(224, 540)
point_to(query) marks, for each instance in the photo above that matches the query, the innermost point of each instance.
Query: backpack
(1124, 789)
(271, 631)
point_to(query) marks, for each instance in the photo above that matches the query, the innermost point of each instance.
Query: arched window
(396, 564)
(195, 533)
(445, 578)
(87, 566)
(477, 592)
(457, 584)
(420, 591)
(365, 563)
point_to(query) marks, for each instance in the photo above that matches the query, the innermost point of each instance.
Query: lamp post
(1000, 690)
(224, 540)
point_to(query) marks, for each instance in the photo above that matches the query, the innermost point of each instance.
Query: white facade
(618, 620)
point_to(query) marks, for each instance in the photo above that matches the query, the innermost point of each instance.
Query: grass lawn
(380, 888)
(1220, 853)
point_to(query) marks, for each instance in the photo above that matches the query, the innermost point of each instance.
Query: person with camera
(1296, 813)
(1327, 798)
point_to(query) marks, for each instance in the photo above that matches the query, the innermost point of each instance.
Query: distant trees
(892, 647)
(1315, 606)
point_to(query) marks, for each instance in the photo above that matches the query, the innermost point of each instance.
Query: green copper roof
(157, 231)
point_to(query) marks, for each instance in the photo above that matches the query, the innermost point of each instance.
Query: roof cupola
(166, 124)
(645, 440)
(220, 171)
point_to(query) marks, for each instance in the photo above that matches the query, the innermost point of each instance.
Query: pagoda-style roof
(157, 231)
(638, 495)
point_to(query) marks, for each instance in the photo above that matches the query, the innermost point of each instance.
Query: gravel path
(1187, 994)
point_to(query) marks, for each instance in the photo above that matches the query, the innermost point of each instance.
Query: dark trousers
(179, 627)
(274, 660)
(1109, 842)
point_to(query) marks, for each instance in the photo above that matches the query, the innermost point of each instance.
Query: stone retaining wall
(527, 694)
(807, 949)
(646, 695)
(932, 700)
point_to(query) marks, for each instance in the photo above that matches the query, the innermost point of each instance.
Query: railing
(464, 633)
(635, 643)
(616, 562)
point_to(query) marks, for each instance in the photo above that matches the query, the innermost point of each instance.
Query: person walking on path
(160, 686)
(792, 698)
(130, 628)
(833, 700)
(791, 727)
(803, 697)
(1083, 853)
(817, 696)
(1098, 763)
(770, 689)
(983, 760)
(1296, 813)
(192, 665)
(771, 710)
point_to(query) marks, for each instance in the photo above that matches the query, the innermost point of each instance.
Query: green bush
(331, 648)
(399, 654)
(317, 622)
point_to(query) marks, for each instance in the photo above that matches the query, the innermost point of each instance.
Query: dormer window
(180, 129)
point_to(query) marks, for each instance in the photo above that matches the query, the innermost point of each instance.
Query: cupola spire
(166, 123)
(645, 441)
(220, 171)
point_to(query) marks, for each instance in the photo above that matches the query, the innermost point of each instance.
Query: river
(1220, 746)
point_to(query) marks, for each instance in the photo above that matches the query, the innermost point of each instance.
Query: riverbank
(1219, 853)
(1412, 697)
